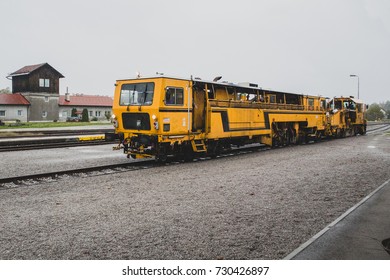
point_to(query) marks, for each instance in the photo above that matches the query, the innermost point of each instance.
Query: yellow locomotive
(346, 117)
(164, 116)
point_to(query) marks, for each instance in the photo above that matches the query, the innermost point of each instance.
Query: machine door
(198, 112)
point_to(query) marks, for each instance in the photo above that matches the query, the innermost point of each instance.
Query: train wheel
(290, 137)
(215, 151)
(186, 153)
(300, 137)
(363, 130)
(318, 136)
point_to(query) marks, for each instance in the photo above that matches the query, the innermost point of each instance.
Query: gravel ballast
(258, 205)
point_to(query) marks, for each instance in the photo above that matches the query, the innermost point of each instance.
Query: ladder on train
(198, 146)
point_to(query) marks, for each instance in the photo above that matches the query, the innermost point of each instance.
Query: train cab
(149, 110)
(347, 116)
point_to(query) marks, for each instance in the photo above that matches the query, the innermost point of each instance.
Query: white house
(98, 106)
(14, 107)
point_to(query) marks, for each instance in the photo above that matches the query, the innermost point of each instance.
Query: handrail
(260, 105)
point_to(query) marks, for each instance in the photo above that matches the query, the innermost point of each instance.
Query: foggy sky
(300, 46)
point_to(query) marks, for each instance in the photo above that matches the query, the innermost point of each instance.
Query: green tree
(74, 112)
(5, 90)
(107, 114)
(386, 106)
(374, 112)
(85, 117)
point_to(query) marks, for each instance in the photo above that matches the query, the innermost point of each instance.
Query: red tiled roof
(13, 99)
(30, 68)
(86, 100)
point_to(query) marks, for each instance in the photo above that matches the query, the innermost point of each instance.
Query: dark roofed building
(40, 84)
(13, 107)
(36, 78)
(36, 89)
(98, 106)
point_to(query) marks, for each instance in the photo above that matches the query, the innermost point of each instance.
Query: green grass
(50, 124)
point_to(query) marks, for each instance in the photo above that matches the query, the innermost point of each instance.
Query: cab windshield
(137, 94)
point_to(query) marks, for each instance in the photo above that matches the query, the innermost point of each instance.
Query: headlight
(113, 116)
(154, 117)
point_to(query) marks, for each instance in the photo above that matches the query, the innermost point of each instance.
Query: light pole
(358, 82)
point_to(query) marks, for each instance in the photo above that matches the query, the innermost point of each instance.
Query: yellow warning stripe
(92, 138)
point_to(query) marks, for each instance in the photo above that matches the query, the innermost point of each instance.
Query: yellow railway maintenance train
(163, 117)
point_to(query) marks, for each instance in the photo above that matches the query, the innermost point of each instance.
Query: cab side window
(174, 96)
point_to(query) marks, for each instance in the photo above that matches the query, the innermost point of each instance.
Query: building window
(44, 83)
(91, 113)
(44, 114)
(97, 114)
(174, 96)
(2, 113)
(20, 113)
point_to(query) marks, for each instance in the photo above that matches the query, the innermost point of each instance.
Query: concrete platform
(356, 235)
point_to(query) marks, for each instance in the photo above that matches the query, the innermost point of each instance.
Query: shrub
(85, 117)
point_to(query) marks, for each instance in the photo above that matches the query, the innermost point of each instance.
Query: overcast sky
(300, 46)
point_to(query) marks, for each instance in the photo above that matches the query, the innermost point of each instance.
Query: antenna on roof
(138, 74)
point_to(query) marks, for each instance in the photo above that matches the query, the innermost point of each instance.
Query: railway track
(45, 133)
(34, 179)
(50, 145)
(46, 143)
(371, 129)
(27, 180)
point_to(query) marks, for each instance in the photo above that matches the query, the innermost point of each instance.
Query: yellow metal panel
(91, 138)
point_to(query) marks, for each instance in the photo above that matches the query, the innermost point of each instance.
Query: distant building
(36, 97)
(13, 107)
(98, 106)
(40, 85)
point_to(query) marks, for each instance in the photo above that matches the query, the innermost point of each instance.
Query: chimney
(67, 95)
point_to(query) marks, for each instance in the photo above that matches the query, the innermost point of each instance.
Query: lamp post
(358, 82)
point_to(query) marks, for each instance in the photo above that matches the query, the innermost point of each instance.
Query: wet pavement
(361, 233)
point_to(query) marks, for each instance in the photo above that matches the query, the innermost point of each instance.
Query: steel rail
(53, 145)
(47, 133)
(25, 180)
(91, 171)
(382, 128)
(130, 166)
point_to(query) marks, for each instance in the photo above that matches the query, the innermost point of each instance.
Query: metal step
(198, 146)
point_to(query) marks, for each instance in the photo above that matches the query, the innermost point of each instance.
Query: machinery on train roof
(164, 117)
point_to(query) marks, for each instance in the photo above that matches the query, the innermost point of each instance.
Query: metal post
(358, 87)
(358, 83)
